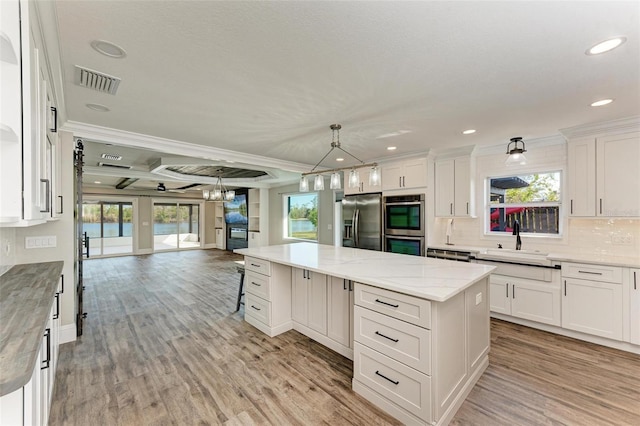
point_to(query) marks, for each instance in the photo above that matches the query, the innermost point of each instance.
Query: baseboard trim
(144, 251)
(67, 333)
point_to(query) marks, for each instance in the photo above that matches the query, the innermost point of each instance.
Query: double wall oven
(404, 224)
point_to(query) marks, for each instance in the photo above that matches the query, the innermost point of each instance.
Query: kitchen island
(417, 329)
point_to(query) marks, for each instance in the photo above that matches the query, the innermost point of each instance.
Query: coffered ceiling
(266, 79)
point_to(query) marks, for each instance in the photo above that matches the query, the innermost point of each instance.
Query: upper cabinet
(363, 184)
(27, 128)
(454, 184)
(405, 174)
(603, 176)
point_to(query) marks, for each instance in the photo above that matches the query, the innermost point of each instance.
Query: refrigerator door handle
(356, 226)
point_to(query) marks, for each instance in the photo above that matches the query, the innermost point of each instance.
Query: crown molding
(170, 146)
(622, 125)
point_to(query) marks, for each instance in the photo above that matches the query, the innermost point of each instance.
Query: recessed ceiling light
(468, 132)
(339, 159)
(602, 102)
(391, 148)
(108, 49)
(98, 107)
(606, 46)
(97, 181)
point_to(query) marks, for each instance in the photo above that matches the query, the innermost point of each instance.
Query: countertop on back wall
(26, 296)
(601, 259)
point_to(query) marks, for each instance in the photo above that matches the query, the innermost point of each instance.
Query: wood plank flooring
(163, 346)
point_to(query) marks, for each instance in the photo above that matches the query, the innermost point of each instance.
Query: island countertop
(26, 296)
(432, 279)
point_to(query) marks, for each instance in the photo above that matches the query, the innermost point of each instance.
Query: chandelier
(335, 182)
(219, 192)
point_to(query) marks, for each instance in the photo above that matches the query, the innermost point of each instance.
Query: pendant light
(516, 152)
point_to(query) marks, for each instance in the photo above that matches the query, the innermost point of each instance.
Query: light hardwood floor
(163, 346)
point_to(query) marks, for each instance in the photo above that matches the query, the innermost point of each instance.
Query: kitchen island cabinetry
(634, 308)
(603, 177)
(420, 328)
(592, 299)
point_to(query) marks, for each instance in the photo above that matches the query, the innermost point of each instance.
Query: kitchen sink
(524, 257)
(516, 252)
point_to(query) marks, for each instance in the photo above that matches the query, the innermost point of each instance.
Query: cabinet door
(299, 296)
(317, 301)
(444, 187)
(581, 178)
(414, 173)
(462, 187)
(535, 302)
(499, 294)
(635, 306)
(592, 307)
(618, 175)
(392, 177)
(340, 311)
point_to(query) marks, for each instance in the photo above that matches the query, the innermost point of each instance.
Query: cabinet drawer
(398, 383)
(257, 265)
(397, 339)
(257, 284)
(609, 274)
(406, 308)
(258, 308)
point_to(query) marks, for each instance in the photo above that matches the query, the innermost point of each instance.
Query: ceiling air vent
(96, 80)
(113, 157)
(115, 166)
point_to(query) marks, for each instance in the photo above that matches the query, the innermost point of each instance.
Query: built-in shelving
(254, 210)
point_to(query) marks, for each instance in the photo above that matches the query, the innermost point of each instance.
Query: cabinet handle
(256, 284)
(308, 274)
(48, 194)
(467, 207)
(507, 287)
(387, 337)
(256, 308)
(344, 284)
(304, 274)
(565, 287)
(404, 183)
(54, 118)
(253, 264)
(451, 208)
(62, 282)
(351, 285)
(600, 205)
(386, 303)
(571, 211)
(57, 314)
(590, 272)
(513, 291)
(635, 283)
(47, 334)
(61, 204)
(400, 181)
(395, 382)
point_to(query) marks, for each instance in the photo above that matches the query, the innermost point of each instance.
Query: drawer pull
(253, 264)
(256, 308)
(395, 382)
(257, 284)
(590, 272)
(386, 303)
(386, 337)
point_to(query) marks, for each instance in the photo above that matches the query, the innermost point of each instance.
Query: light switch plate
(478, 298)
(48, 241)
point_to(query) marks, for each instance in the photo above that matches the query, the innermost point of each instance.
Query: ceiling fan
(162, 188)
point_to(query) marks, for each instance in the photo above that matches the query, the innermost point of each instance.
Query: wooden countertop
(26, 296)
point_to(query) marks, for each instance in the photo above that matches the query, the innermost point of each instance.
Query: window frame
(559, 204)
(285, 216)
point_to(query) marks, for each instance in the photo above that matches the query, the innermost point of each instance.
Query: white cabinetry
(405, 174)
(592, 299)
(532, 299)
(258, 217)
(28, 161)
(454, 184)
(309, 299)
(267, 296)
(219, 225)
(340, 311)
(363, 184)
(603, 177)
(634, 278)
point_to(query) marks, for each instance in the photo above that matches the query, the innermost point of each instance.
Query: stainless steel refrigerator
(362, 221)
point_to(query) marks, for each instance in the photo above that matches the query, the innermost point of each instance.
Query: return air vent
(113, 157)
(115, 166)
(96, 80)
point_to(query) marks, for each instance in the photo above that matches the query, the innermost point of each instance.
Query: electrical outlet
(478, 298)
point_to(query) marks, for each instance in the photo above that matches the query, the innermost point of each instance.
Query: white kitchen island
(416, 328)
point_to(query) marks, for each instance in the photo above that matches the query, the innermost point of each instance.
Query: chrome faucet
(516, 232)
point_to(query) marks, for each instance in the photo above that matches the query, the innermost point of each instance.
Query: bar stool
(240, 269)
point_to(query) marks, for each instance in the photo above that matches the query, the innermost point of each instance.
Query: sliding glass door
(176, 226)
(107, 227)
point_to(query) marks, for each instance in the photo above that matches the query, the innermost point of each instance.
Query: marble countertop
(622, 261)
(26, 296)
(432, 279)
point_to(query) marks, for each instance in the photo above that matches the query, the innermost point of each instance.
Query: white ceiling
(268, 78)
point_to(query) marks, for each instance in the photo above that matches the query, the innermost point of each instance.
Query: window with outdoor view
(531, 199)
(302, 216)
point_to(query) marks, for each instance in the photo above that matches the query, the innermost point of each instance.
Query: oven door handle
(406, 203)
(356, 227)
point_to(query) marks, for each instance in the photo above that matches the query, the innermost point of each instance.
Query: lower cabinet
(524, 298)
(340, 311)
(592, 299)
(634, 279)
(309, 299)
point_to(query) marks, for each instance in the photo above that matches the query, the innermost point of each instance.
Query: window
(531, 199)
(302, 216)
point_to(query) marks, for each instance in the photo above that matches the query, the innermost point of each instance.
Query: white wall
(7, 249)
